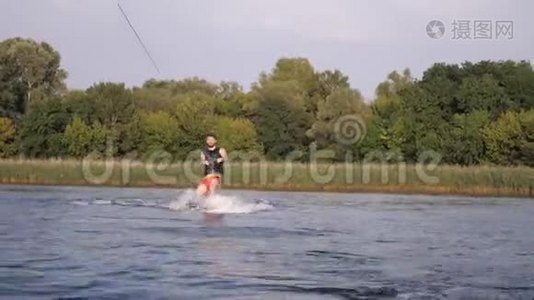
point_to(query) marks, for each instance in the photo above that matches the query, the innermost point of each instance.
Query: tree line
(469, 113)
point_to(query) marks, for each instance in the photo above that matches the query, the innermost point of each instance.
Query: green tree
(113, 103)
(164, 95)
(101, 139)
(42, 128)
(343, 109)
(280, 118)
(81, 139)
(79, 103)
(232, 100)
(299, 73)
(526, 119)
(7, 137)
(195, 115)
(115, 110)
(330, 81)
(503, 139)
(195, 85)
(237, 134)
(466, 146)
(155, 96)
(386, 129)
(28, 70)
(297, 69)
(325, 84)
(515, 78)
(394, 84)
(482, 93)
(77, 138)
(131, 135)
(434, 95)
(159, 131)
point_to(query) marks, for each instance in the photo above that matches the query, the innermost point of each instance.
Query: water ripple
(119, 243)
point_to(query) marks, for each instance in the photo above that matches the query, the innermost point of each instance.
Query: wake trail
(187, 201)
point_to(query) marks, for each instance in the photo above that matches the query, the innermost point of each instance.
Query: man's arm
(224, 156)
(203, 159)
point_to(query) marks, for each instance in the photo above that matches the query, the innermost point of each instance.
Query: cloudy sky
(236, 39)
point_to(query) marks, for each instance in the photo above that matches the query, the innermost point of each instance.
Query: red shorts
(210, 180)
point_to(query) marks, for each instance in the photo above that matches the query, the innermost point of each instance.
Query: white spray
(221, 204)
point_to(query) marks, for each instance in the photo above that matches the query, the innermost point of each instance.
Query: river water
(116, 243)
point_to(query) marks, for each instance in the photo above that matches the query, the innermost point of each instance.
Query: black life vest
(211, 157)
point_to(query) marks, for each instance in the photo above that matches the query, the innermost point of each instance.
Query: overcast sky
(236, 39)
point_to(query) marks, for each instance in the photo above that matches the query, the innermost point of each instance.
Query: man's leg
(202, 189)
(213, 185)
(200, 194)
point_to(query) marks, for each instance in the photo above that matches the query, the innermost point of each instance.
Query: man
(212, 157)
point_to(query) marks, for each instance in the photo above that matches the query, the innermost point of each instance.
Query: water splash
(234, 205)
(219, 204)
(188, 201)
(185, 201)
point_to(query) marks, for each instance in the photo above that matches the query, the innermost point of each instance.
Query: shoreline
(478, 181)
(482, 192)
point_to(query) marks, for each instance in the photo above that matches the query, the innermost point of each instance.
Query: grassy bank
(479, 181)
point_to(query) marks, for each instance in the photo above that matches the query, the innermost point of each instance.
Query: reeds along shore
(405, 179)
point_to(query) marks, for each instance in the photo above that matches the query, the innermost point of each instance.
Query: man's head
(211, 140)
